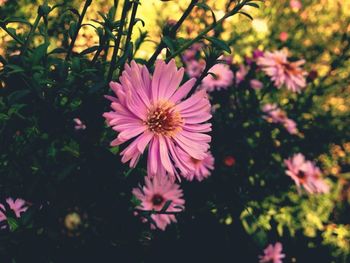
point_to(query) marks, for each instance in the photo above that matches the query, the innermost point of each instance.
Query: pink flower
(295, 4)
(272, 254)
(290, 126)
(157, 191)
(276, 115)
(79, 125)
(202, 168)
(17, 206)
(306, 174)
(152, 112)
(283, 72)
(195, 68)
(283, 36)
(2, 2)
(256, 84)
(223, 78)
(191, 53)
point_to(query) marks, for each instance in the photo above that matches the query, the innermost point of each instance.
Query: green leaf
(246, 14)
(39, 53)
(169, 43)
(89, 50)
(58, 50)
(12, 223)
(166, 206)
(219, 44)
(253, 5)
(72, 29)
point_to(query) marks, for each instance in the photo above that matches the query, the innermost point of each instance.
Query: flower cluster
(154, 112)
(306, 174)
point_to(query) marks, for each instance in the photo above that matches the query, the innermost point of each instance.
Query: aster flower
(202, 168)
(152, 112)
(305, 174)
(283, 72)
(17, 206)
(223, 78)
(156, 192)
(272, 254)
(276, 115)
(79, 125)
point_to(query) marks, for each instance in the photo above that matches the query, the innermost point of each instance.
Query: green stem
(234, 11)
(31, 33)
(80, 21)
(118, 40)
(172, 33)
(19, 41)
(132, 21)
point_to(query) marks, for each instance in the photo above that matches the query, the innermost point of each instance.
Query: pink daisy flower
(223, 78)
(157, 191)
(283, 72)
(2, 2)
(272, 254)
(153, 112)
(79, 125)
(202, 168)
(306, 174)
(17, 206)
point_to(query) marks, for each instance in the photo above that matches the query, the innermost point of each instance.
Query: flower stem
(172, 32)
(31, 33)
(234, 11)
(19, 41)
(118, 40)
(80, 21)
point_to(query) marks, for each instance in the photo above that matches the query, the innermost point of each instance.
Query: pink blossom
(191, 53)
(272, 254)
(17, 206)
(223, 78)
(283, 72)
(157, 191)
(276, 115)
(306, 174)
(283, 36)
(295, 4)
(256, 84)
(195, 68)
(202, 168)
(290, 126)
(153, 112)
(2, 2)
(79, 125)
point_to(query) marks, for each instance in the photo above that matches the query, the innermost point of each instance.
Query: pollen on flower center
(157, 199)
(164, 119)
